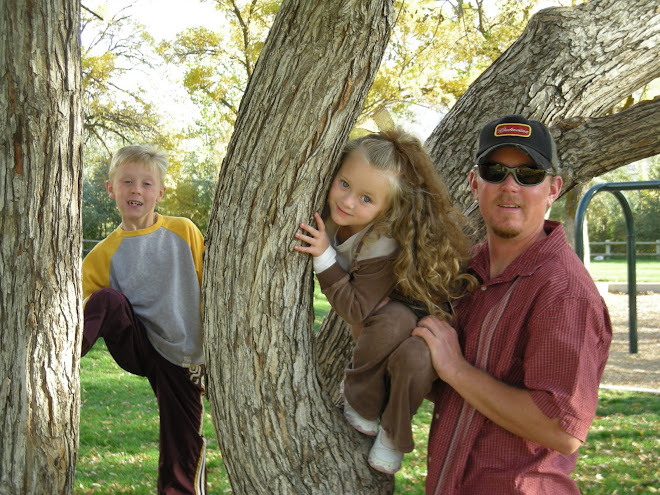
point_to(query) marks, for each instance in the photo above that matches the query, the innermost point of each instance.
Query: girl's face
(359, 193)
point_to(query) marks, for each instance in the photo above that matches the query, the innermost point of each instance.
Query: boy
(141, 289)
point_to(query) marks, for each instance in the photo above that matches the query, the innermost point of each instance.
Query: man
(520, 371)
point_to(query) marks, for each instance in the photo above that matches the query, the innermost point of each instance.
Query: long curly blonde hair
(434, 250)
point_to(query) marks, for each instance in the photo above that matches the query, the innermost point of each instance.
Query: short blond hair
(147, 155)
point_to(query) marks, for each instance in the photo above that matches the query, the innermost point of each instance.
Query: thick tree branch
(569, 62)
(589, 147)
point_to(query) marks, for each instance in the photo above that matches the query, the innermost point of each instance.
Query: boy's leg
(365, 384)
(109, 315)
(182, 462)
(411, 378)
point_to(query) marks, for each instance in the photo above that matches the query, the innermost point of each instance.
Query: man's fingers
(423, 332)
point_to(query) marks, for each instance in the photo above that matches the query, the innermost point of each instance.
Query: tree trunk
(277, 427)
(569, 63)
(41, 181)
(334, 344)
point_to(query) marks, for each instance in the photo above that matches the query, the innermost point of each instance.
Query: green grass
(119, 439)
(119, 432)
(616, 270)
(119, 435)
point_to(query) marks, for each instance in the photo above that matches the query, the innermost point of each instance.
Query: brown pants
(390, 373)
(179, 391)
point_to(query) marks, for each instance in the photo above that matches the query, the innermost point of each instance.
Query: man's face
(512, 211)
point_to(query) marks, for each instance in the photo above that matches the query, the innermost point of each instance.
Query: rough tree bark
(570, 63)
(568, 69)
(277, 429)
(40, 198)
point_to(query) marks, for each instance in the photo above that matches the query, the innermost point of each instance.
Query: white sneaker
(384, 459)
(364, 426)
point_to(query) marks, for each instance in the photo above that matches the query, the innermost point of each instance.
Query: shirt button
(483, 287)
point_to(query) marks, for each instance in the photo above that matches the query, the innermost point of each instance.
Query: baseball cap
(530, 136)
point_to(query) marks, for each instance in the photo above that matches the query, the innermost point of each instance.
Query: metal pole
(615, 188)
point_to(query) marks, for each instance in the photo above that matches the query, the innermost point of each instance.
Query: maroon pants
(179, 391)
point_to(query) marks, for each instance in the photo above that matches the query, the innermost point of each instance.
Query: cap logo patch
(518, 130)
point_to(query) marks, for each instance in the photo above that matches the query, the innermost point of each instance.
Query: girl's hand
(316, 238)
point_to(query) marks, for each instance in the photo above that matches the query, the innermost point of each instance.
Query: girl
(390, 251)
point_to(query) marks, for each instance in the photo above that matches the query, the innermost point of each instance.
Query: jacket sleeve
(354, 296)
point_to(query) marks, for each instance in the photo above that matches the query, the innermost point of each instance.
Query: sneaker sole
(369, 433)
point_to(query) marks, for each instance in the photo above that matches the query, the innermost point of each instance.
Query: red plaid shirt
(541, 325)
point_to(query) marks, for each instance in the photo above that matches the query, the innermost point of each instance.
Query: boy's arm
(196, 240)
(95, 275)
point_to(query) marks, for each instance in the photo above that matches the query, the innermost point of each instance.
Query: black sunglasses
(524, 175)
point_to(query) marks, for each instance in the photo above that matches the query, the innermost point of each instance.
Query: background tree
(120, 68)
(436, 50)
(115, 57)
(258, 319)
(40, 183)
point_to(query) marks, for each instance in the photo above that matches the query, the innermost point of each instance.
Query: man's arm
(509, 407)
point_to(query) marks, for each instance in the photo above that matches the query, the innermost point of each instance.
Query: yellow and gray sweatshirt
(159, 270)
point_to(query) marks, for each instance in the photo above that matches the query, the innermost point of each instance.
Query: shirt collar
(528, 262)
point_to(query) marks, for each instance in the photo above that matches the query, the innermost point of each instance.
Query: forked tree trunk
(278, 429)
(40, 198)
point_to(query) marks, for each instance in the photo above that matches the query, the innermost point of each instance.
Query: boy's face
(136, 189)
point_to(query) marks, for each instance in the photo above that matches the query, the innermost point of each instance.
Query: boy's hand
(316, 238)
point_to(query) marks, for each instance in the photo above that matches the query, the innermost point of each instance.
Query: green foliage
(115, 105)
(192, 193)
(99, 212)
(434, 54)
(437, 49)
(116, 109)
(218, 64)
(605, 215)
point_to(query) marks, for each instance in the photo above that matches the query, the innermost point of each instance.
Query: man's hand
(443, 344)
(510, 407)
(316, 238)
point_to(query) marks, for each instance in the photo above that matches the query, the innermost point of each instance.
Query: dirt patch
(641, 370)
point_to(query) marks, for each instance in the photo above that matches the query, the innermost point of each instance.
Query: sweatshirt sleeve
(96, 267)
(354, 296)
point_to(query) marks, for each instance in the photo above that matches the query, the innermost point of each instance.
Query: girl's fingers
(305, 238)
(308, 228)
(319, 222)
